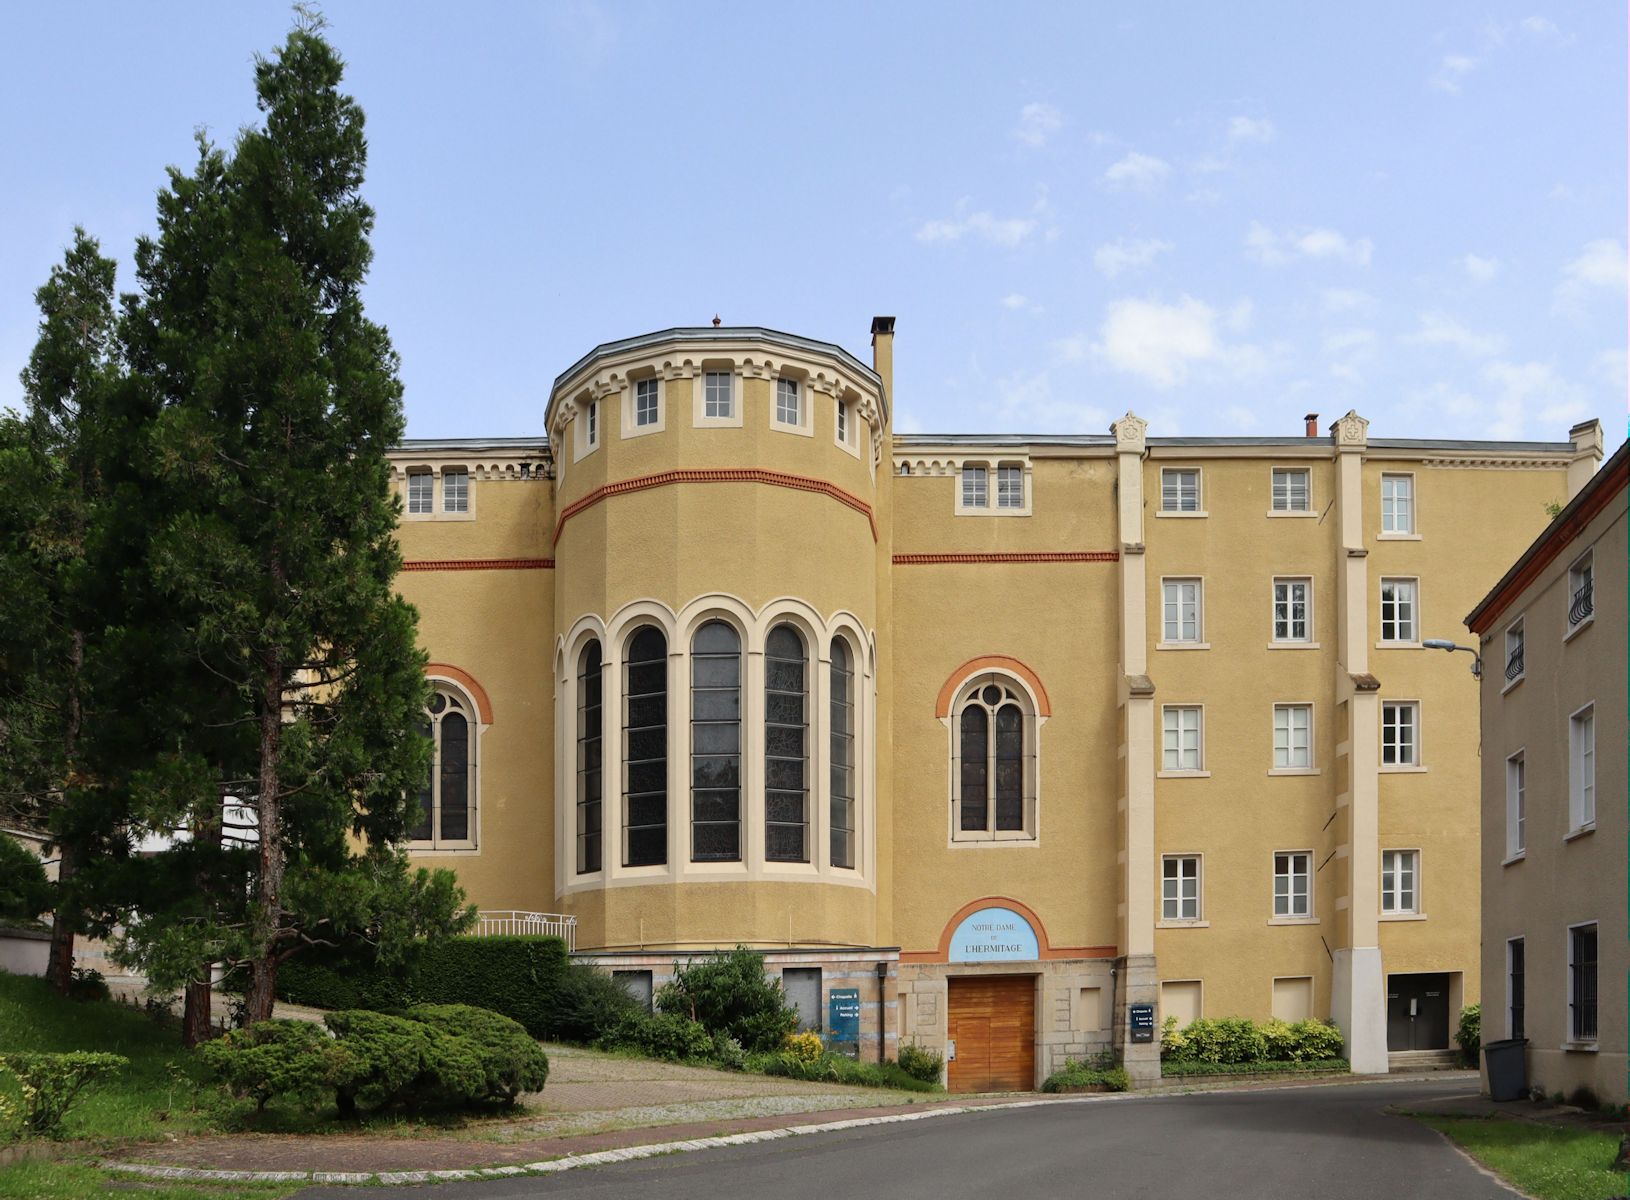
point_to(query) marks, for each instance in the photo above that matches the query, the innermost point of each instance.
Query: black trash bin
(1507, 1068)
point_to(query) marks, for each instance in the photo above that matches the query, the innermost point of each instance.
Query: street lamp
(1446, 644)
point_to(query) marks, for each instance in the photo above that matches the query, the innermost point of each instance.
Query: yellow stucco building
(1012, 743)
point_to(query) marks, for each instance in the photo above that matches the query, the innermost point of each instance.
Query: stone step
(1424, 1060)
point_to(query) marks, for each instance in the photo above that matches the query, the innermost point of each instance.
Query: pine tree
(274, 543)
(53, 494)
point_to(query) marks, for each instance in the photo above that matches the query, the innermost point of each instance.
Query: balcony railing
(1513, 664)
(512, 923)
(1583, 604)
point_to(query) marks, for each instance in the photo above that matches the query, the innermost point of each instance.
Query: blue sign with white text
(995, 935)
(843, 1017)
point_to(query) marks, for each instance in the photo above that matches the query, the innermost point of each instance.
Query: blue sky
(1220, 216)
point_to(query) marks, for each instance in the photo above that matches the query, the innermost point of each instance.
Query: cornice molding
(1017, 556)
(478, 564)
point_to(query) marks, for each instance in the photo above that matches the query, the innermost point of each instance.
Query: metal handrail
(1513, 664)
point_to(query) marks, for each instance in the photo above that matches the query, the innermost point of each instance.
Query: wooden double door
(992, 1023)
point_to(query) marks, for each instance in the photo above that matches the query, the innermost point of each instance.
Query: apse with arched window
(843, 755)
(786, 746)
(994, 767)
(447, 799)
(716, 744)
(590, 736)
(645, 749)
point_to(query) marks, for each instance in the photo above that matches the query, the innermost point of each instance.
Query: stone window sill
(1182, 924)
(1293, 920)
(1584, 830)
(1293, 645)
(1405, 769)
(1292, 513)
(1579, 1047)
(1182, 774)
(1397, 537)
(1182, 645)
(1403, 916)
(1513, 683)
(1181, 515)
(1397, 645)
(1518, 857)
(1295, 771)
(1578, 629)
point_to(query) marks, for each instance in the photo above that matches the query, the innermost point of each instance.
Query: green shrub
(1179, 1069)
(668, 1036)
(48, 1085)
(512, 1062)
(587, 1001)
(920, 1064)
(1236, 1040)
(398, 1061)
(806, 1046)
(25, 892)
(280, 1058)
(729, 993)
(1469, 1036)
(836, 1068)
(87, 983)
(727, 1052)
(517, 976)
(1097, 1073)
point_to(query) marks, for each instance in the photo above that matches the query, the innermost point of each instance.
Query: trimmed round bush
(280, 1058)
(920, 1063)
(511, 1061)
(398, 1061)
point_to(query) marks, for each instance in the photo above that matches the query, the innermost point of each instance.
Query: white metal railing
(510, 923)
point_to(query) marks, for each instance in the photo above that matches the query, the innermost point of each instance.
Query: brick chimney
(1312, 420)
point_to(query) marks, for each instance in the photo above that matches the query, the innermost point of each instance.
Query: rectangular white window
(1582, 768)
(1292, 736)
(1397, 504)
(1180, 888)
(1009, 487)
(1582, 1019)
(1291, 490)
(718, 399)
(1400, 733)
(1516, 805)
(594, 423)
(1182, 617)
(1181, 739)
(1292, 610)
(455, 490)
(1180, 490)
(975, 487)
(1292, 877)
(1400, 890)
(1398, 623)
(646, 411)
(1514, 665)
(1581, 593)
(421, 488)
(787, 408)
(843, 422)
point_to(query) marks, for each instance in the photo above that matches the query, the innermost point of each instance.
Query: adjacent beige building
(1552, 635)
(984, 739)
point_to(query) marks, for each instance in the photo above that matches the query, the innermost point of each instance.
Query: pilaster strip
(800, 483)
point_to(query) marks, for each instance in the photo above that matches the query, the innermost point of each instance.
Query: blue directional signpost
(1141, 1017)
(843, 1021)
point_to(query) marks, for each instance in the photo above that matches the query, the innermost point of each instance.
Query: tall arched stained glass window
(1008, 791)
(994, 760)
(446, 818)
(975, 767)
(843, 755)
(645, 749)
(716, 744)
(786, 746)
(590, 744)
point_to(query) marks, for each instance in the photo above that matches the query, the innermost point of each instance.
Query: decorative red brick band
(1038, 556)
(801, 483)
(479, 564)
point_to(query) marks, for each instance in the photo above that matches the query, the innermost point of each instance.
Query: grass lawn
(80, 1181)
(1545, 1161)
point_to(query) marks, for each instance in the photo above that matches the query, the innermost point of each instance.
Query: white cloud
(1037, 124)
(1019, 302)
(1139, 172)
(1451, 72)
(1440, 329)
(1544, 28)
(1161, 343)
(1480, 269)
(1250, 129)
(1001, 231)
(1126, 254)
(1349, 341)
(1530, 397)
(1601, 264)
(1613, 368)
(1347, 300)
(1240, 417)
(1274, 249)
(1026, 400)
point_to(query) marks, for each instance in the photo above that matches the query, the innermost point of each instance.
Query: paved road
(1327, 1142)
